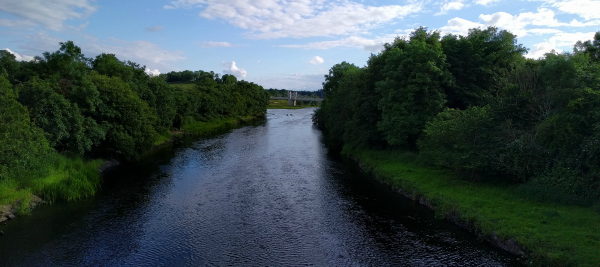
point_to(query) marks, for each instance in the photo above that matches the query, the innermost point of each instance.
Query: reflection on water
(261, 195)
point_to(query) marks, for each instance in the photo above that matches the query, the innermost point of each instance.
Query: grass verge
(557, 235)
(59, 177)
(204, 128)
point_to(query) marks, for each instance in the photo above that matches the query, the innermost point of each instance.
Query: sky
(282, 44)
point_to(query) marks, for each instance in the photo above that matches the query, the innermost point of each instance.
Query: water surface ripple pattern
(261, 195)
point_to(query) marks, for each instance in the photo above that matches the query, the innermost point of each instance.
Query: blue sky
(275, 43)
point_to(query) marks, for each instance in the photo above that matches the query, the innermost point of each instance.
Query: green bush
(460, 140)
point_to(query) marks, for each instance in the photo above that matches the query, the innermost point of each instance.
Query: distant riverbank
(282, 104)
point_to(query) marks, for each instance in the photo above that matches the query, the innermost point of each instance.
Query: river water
(265, 194)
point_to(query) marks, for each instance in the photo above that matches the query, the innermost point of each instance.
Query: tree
(590, 47)
(335, 111)
(412, 91)
(127, 119)
(64, 126)
(21, 143)
(480, 64)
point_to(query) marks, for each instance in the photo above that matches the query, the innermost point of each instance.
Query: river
(265, 194)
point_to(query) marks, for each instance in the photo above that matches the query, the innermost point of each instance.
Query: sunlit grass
(58, 178)
(202, 128)
(554, 234)
(163, 138)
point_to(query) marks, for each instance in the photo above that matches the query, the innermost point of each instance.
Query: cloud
(209, 44)
(154, 72)
(50, 14)
(460, 26)
(371, 45)
(16, 23)
(19, 57)
(541, 49)
(450, 6)
(517, 24)
(562, 39)
(485, 2)
(316, 60)
(232, 69)
(155, 28)
(143, 52)
(296, 81)
(587, 9)
(268, 19)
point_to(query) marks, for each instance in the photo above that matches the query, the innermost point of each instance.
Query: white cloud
(142, 52)
(316, 60)
(371, 45)
(541, 49)
(459, 26)
(50, 14)
(559, 42)
(296, 81)
(16, 23)
(209, 44)
(587, 9)
(155, 28)
(19, 57)
(517, 24)
(543, 31)
(485, 2)
(232, 69)
(154, 72)
(457, 5)
(267, 19)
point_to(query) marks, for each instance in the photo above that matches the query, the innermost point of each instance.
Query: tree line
(474, 104)
(102, 107)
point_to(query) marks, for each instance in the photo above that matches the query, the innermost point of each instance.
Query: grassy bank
(57, 178)
(552, 234)
(60, 177)
(201, 128)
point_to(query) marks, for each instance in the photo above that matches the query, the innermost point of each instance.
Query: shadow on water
(265, 194)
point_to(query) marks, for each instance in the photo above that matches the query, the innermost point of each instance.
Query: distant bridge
(293, 97)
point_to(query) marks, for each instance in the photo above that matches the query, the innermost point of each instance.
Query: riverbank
(543, 234)
(73, 178)
(282, 104)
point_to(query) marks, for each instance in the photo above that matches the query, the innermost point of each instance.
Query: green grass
(163, 138)
(554, 234)
(12, 193)
(59, 178)
(283, 104)
(203, 128)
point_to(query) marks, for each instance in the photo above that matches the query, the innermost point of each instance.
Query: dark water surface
(261, 195)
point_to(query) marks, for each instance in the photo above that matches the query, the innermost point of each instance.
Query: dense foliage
(475, 105)
(104, 107)
(98, 107)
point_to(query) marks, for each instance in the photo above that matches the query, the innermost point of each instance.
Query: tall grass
(58, 177)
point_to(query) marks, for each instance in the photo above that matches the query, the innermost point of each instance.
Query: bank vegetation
(509, 143)
(62, 114)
